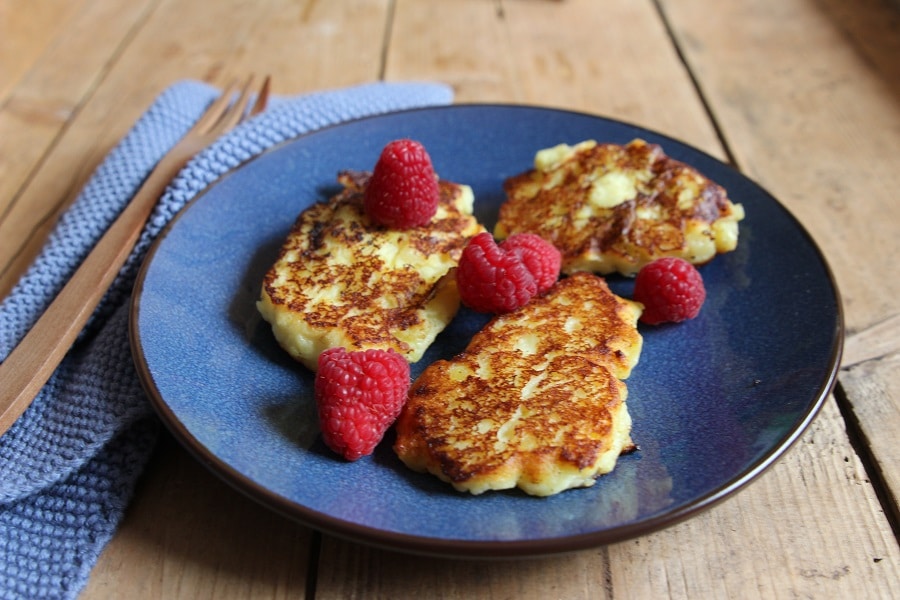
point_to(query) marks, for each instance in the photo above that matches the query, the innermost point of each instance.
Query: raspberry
(541, 258)
(359, 396)
(670, 289)
(491, 279)
(403, 190)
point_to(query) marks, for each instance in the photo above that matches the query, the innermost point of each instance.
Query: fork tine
(26, 369)
(262, 98)
(235, 112)
(215, 110)
(222, 115)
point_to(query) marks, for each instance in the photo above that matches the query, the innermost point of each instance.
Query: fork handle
(33, 360)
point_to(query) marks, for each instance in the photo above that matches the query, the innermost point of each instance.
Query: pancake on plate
(341, 280)
(613, 208)
(536, 399)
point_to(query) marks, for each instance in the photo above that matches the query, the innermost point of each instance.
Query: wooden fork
(30, 364)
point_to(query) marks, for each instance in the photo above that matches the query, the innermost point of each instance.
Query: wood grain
(566, 55)
(611, 58)
(873, 388)
(312, 45)
(351, 571)
(26, 32)
(731, 549)
(811, 117)
(189, 536)
(55, 80)
(816, 134)
(878, 341)
(801, 94)
(760, 544)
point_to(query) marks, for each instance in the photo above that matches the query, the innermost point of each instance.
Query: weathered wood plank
(187, 535)
(874, 390)
(27, 29)
(763, 543)
(56, 85)
(760, 542)
(611, 58)
(307, 46)
(352, 571)
(807, 94)
(878, 341)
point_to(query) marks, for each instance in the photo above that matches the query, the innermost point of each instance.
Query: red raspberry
(670, 289)
(541, 258)
(359, 396)
(491, 279)
(403, 190)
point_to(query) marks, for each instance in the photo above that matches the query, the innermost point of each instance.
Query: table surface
(802, 96)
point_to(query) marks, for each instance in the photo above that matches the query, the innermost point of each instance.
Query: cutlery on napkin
(69, 464)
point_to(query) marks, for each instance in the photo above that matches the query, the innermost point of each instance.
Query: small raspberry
(403, 190)
(491, 279)
(359, 396)
(670, 289)
(541, 258)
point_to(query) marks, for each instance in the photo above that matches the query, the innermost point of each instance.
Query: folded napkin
(68, 466)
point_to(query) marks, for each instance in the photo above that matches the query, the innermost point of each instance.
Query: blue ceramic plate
(715, 400)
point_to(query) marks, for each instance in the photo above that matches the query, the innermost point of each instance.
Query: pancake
(536, 400)
(611, 208)
(341, 280)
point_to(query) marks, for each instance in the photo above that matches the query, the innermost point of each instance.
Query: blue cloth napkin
(68, 466)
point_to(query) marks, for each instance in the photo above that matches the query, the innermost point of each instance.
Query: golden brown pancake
(612, 208)
(535, 401)
(341, 280)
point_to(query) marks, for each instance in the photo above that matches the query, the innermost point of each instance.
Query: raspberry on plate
(403, 190)
(359, 396)
(491, 279)
(671, 290)
(541, 258)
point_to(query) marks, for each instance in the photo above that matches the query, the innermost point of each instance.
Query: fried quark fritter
(613, 208)
(535, 401)
(341, 280)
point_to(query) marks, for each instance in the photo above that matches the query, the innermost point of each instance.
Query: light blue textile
(68, 466)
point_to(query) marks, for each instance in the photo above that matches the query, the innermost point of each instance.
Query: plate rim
(459, 548)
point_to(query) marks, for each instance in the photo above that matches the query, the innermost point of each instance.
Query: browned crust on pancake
(617, 230)
(606, 328)
(535, 396)
(552, 420)
(375, 302)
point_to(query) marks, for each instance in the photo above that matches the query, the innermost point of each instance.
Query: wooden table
(801, 95)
